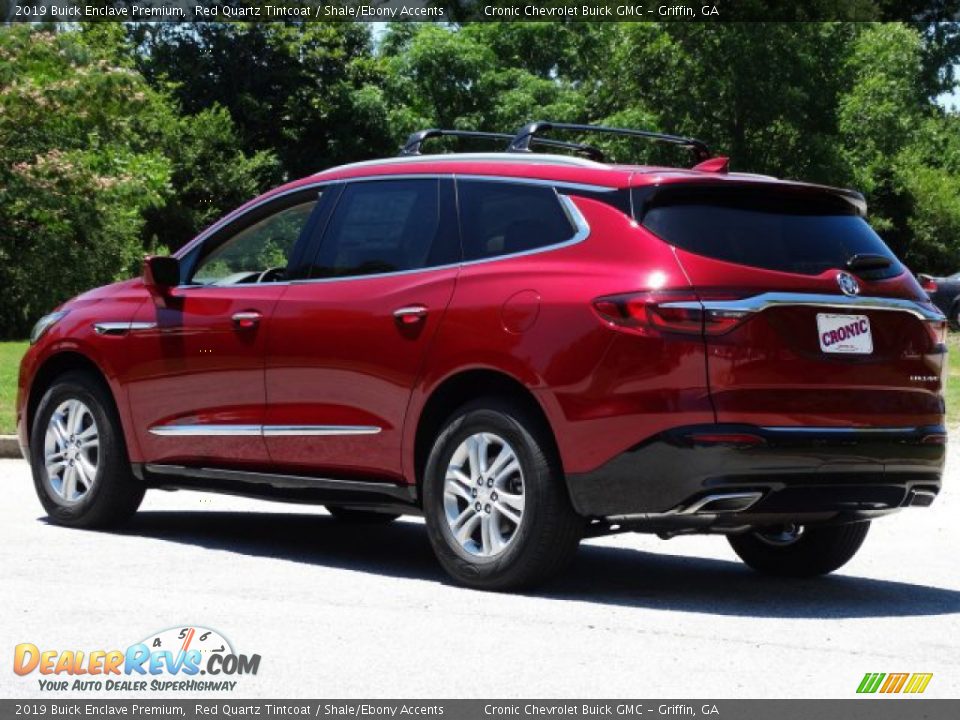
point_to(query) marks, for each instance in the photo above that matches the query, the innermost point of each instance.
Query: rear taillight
(928, 284)
(938, 332)
(677, 311)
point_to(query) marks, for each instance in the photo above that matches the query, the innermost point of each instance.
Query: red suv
(527, 348)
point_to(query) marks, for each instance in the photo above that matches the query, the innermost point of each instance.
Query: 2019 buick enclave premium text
(528, 348)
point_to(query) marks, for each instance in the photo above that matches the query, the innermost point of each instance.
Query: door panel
(346, 347)
(201, 368)
(198, 393)
(341, 367)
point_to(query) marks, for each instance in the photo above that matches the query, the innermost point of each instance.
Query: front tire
(78, 456)
(792, 551)
(496, 508)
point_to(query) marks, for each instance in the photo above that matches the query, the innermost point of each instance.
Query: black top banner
(458, 11)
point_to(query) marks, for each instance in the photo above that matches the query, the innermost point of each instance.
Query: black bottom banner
(855, 709)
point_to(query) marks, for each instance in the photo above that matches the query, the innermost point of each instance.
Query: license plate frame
(844, 334)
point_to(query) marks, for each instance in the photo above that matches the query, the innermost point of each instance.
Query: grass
(953, 380)
(11, 352)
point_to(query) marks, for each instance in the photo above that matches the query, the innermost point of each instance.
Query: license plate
(845, 334)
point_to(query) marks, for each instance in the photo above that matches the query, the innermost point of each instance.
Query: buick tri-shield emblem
(848, 284)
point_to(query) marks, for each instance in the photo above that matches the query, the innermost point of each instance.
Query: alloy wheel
(71, 452)
(483, 494)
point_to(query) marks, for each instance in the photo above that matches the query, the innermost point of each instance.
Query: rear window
(799, 233)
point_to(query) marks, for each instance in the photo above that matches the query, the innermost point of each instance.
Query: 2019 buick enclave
(526, 348)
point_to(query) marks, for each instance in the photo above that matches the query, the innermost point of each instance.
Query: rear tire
(78, 456)
(360, 517)
(503, 520)
(816, 551)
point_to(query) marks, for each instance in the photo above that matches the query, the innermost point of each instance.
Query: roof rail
(415, 141)
(528, 134)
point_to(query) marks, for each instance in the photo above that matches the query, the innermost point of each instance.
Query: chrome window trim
(581, 227)
(320, 184)
(228, 430)
(577, 220)
(763, 301)
(311, 281)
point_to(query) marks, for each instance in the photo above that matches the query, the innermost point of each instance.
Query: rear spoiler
(645, 197)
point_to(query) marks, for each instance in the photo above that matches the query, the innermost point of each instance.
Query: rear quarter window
(503, 218)
(801, 233)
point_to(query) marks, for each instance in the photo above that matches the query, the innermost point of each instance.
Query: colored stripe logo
(913, 683)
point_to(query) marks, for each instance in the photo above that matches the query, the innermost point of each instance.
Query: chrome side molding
(228, 430)
(308, 430)
(758, 303)
(121, 328)
(206, 430)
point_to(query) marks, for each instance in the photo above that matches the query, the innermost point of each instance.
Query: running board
(404, 493)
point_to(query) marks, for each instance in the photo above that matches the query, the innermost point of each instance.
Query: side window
(499, 218)
(257, 253)
(384, 226)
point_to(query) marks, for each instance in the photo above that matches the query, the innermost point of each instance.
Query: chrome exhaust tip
(921, 498)
(723, 503)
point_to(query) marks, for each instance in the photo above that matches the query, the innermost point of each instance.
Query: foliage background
(119, 140)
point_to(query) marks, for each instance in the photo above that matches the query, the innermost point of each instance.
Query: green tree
(116, 141)
(210, 175)
(78, 168)
(294, 89)
(902, 151)
(474, 78)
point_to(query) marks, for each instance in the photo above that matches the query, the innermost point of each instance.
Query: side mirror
(161, 273)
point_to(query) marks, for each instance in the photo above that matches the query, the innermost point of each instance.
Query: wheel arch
(460, 388)
(58, 364)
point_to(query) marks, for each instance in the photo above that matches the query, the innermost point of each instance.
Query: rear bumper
(739, 474)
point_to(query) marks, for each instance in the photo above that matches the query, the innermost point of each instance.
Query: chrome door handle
(246, 319)
(410, 314)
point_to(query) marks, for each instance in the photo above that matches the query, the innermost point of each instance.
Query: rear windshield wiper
(867, 261)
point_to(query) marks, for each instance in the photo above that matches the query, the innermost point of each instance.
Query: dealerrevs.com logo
(182, 659)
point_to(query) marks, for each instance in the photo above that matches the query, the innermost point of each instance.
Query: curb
(9, 447)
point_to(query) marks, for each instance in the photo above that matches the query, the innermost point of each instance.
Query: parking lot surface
(365, 612)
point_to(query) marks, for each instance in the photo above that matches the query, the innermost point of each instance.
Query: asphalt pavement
(365, 612)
